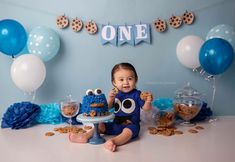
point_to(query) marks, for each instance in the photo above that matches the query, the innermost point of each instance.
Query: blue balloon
(216, 55)
(13, 37)
(43, 42)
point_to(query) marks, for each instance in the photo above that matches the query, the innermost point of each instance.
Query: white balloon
(188, 49)
(28, 72)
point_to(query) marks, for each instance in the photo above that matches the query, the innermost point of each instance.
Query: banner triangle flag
(142, 33)
(109, 34)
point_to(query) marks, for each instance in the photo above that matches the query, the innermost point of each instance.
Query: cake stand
(96, 138)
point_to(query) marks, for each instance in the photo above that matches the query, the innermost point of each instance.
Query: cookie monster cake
(94, 103)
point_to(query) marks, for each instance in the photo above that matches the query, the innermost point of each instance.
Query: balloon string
(33, 96)
(213, 94)
(30, 96)
(213, 119)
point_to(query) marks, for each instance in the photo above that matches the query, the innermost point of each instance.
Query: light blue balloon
(223, 31)
(43, 42)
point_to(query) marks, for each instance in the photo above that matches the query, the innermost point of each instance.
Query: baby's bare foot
(78, 138)
(110, 145)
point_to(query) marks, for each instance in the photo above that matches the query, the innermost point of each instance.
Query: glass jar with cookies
(69, 108)
(165, 117)
(187, 104)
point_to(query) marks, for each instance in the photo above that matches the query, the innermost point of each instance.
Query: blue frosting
(89, 99)
(20, 115)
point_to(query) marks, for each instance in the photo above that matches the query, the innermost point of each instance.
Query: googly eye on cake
(94, 104)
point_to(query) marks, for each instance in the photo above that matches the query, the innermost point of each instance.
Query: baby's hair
(126, 66)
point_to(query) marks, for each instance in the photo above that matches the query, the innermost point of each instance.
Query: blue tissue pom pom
(20, 115)
(203, 114)
(50, 114)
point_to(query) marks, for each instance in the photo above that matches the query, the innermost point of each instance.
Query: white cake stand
(96, 138)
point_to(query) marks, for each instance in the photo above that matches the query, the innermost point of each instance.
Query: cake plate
(96, 138)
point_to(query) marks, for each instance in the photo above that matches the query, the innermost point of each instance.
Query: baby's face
(124, 80)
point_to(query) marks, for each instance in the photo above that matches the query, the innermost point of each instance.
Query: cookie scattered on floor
(199, 127)
(68, 129)
(178, 132)
(49, 134)
(164, 131)
(192, 131)
(169, 131)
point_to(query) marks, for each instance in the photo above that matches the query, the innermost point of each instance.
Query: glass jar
(69, 108)
(166, 115)
(187, 104)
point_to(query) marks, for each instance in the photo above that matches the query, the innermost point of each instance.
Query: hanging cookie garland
(188, 17)
(91, 27)
(62, 21)
(76, 24)
(160, 25)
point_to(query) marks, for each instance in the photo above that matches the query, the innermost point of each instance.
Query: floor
(215, 143)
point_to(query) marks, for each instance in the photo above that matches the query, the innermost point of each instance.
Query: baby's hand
(146, 96)
(113, 92)
(149, 97)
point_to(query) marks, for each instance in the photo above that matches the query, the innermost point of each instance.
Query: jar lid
(188, 91)
(69, 100)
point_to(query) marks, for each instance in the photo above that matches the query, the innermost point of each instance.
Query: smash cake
(94, 104)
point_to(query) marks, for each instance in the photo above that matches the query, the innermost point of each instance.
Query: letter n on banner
(125, 35)
(109, 34)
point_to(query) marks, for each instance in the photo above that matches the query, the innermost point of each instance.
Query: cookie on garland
(76, 24)
(62, 22)
(175, 21)
(91, 27)
(160, 25)
(188, 17)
